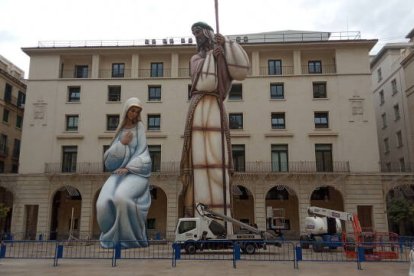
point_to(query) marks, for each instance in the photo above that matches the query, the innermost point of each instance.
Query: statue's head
(201, 25)
(204, 35)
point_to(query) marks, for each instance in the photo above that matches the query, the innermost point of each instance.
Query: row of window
(394, 90)
(279, 157)
(399, 142)
(278, 121)
(277, 91)
(397, 116)
(4, 150)
(14, 167)
(8, 91)
(118, 70)
(6, 118)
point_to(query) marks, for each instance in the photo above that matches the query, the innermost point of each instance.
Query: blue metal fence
(240, 251)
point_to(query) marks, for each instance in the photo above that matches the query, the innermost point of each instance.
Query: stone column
(95, 67)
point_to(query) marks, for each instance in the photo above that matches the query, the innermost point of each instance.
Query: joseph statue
(206, 163)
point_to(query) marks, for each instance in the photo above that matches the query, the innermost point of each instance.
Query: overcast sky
(23, 23)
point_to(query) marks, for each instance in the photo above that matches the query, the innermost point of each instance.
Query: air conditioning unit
(171, 41)
(164, 41)
(182, 40)
(154, 41)
(190, 41)
(146, 41)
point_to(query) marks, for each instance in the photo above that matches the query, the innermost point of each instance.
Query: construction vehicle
(324, 230)
(206, 232)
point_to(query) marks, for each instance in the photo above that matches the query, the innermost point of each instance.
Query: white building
(303, 130)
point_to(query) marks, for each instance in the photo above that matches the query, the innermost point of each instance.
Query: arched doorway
(327, 197)
(243, 206)
(66, 213)
(157, 214)
(284, 202)
(6, 203)
(400, 203)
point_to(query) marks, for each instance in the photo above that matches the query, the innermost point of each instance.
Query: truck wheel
(249, 248)
(190, 248)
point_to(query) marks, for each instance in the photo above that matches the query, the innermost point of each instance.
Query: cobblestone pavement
(187, 268)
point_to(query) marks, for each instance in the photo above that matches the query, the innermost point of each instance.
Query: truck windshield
(186, 226)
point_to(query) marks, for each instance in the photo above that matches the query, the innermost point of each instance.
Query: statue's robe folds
(202, 156)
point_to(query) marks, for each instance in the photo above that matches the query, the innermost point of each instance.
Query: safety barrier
(246, 250)
(230, 251)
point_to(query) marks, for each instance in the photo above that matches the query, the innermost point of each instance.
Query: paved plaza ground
(187, 268)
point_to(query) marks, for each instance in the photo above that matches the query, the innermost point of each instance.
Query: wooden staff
(221, 107)
(217, 15)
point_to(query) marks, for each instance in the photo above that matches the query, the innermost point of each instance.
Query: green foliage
(400, 209)
(3, 210)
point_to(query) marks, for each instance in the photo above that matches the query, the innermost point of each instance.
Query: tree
(400, 211)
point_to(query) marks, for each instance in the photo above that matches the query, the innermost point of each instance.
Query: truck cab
(198, 228)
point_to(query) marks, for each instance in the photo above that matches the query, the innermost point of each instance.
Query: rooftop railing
(271, 37)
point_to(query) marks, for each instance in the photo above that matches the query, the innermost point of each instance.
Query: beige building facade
(392, 87)
(390, 81)
(12, 99)
(302, 127)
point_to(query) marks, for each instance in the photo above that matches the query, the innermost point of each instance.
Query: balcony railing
(71, 74)
(174, 167)
(107, 74)
(396, 167)
(127, 73)
(185, 72)
(278, 71)
(324, 69)
(148, 73)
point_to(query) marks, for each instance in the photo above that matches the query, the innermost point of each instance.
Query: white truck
(205, 232)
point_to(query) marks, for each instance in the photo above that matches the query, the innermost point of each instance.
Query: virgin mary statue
(124, 200)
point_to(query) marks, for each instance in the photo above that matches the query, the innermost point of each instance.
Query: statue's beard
(203, 43)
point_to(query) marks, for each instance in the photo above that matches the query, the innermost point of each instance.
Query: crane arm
(330, 213)
(203, 210)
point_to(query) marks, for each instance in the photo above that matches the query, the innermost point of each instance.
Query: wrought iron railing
(245, 39)
(148, 73)
(278, 71)
(107, 74)
(324, 69)
(174, 167)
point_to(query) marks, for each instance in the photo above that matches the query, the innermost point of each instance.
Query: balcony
(323, 70)
(148, 73)
(174, 168)
(278, 71)
(127, 73)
